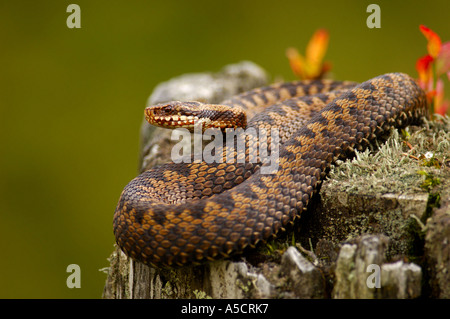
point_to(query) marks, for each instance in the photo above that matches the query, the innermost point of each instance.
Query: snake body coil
(179, 214)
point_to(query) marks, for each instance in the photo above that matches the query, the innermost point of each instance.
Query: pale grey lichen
(393, 166)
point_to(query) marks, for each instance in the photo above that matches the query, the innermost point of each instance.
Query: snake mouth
(171, 116)
(170, 121)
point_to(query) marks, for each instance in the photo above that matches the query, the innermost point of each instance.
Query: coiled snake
(179, 214)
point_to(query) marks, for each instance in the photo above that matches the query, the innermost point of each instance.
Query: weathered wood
(437, 249)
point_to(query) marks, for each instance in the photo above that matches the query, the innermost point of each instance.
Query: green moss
(430, 180)
(167, 291)
(201, 294)
(275, 247)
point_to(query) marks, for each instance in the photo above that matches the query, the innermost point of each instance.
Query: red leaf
(434, 41)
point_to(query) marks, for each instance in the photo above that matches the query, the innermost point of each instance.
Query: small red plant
(311, 66)
(432, 67)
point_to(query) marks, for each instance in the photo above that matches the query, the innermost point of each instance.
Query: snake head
(190, 115)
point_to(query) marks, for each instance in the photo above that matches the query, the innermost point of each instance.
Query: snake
(180, 214)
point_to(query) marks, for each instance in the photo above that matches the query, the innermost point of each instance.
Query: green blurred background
(72, 100)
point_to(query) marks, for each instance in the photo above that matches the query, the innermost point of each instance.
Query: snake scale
(180, 214)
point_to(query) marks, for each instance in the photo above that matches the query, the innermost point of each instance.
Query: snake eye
(161, 110)
(166, 110)
(175, 108)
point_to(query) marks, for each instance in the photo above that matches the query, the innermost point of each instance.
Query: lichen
(413, 161)
(403, 164)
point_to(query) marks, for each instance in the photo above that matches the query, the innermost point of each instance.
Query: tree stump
(374, 211)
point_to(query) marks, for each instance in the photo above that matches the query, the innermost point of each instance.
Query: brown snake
(179, 214)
